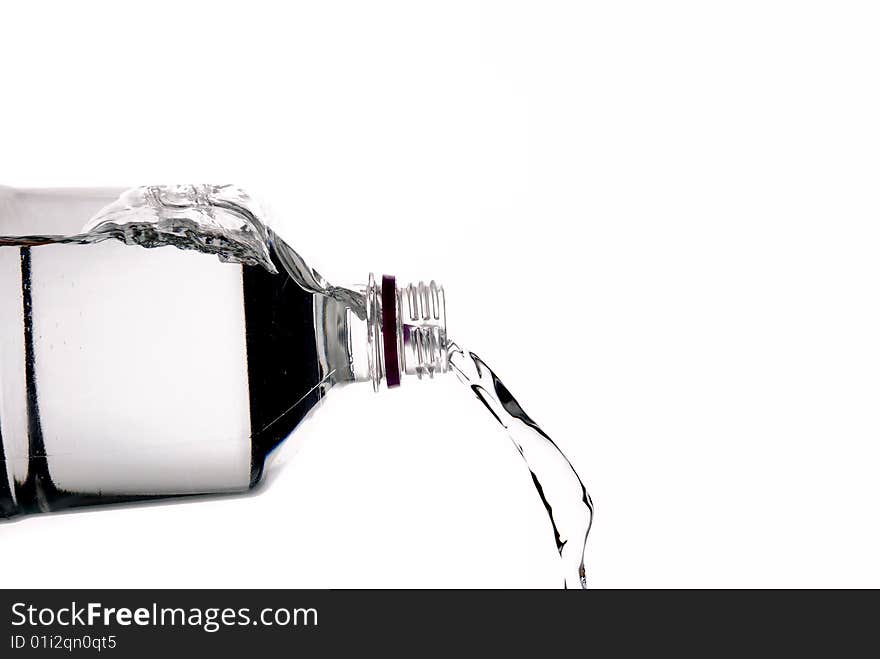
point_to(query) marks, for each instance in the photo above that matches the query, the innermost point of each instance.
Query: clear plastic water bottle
(130, 369)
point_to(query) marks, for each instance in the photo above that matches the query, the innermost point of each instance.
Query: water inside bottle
(224, 221)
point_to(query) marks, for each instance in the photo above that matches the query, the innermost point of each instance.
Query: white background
(659, 222)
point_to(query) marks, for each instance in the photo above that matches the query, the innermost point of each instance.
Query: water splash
(214, 219)
(562, 492)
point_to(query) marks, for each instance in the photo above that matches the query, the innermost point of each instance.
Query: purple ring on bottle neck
(389, 331)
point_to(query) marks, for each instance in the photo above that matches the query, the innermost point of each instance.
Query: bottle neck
(397, 332)
(406, 331)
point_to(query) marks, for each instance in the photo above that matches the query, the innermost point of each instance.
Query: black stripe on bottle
(282, 358)
(37, 491)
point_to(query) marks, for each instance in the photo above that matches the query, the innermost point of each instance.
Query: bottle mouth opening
(406, 330)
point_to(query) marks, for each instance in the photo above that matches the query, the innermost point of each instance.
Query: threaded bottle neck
(406, 330)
